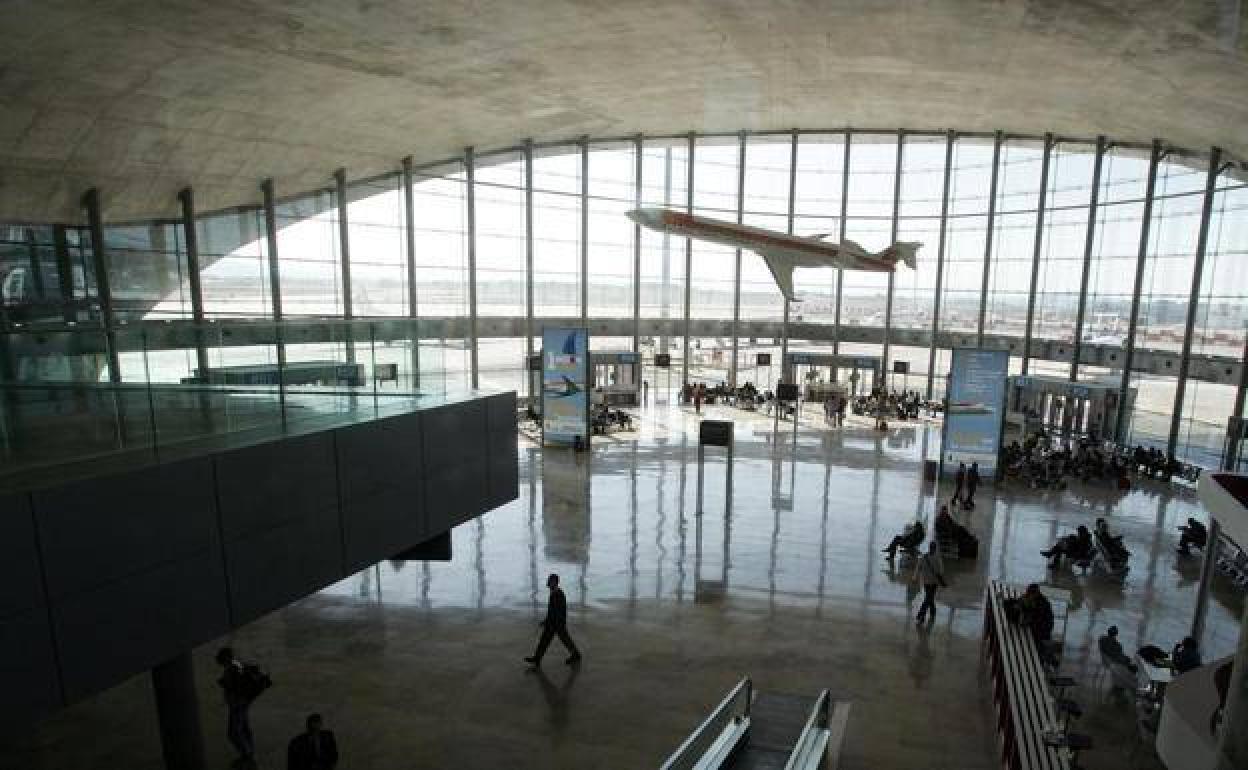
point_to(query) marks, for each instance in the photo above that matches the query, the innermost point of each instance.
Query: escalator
(763, 731)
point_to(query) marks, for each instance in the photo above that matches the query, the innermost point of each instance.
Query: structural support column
(784, 329)
(638, 166)
(177, 710)
(1208, 565)
(1039, 244)
(191, 237)
(585, 231)
(64, 273)
(99, 263)
(736, 265)
(470, 199)
(840, 273)
(988, 232)
(940, 262)
(684, 362)
(528, 251)
(1089, 243)
(1233, 754)
(1141, 260)
(892, 275)
(409, 253)
(1193, 299)
(275, 286)
(344, 260)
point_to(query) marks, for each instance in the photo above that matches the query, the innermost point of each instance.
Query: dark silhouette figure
(972, 483)
(314, 749)
(929, 571)
(1194, 533)
(1036, 613)
(1186, 655)
(238, 703)
(909, 540)
(1076, 547)
(959, 481)
(555, 624)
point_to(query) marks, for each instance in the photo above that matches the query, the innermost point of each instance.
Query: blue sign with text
(975, 409)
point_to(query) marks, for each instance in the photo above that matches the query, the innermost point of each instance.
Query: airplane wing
(781, 268)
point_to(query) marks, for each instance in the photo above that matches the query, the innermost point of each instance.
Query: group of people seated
(1152, 462)
(603, 418)
(884, 404)
(1080, 547)
(1193, 534)
(1044, 463)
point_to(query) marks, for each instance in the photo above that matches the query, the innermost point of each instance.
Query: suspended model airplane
(782, 252)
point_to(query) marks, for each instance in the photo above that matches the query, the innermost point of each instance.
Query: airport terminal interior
(330, 331)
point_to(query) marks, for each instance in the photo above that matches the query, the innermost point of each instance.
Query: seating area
(1032, 723)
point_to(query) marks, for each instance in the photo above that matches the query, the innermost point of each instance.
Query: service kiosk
(617, 380)
(817, 368)
(1068, 408)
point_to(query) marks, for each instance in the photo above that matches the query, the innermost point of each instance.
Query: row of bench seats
(1025, 708)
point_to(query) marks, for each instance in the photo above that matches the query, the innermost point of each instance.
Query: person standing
(314, 749)
(238, 699)
(555, 624)
(697, 398)
(959, 481)
(645, 392)
(972, 483)
(931, 574)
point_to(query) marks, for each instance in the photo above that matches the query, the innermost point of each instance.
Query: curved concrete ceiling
(140, 98)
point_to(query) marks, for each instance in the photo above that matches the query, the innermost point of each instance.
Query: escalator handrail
(806, 754)
(701, 738)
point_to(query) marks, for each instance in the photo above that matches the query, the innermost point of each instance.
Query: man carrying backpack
(242, 684)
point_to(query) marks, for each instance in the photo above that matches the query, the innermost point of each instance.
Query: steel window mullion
(940, 261)
(1141, 261)
(275, 288)
(186, 197)
(528, 251)
(638, 169)
(988, 233)
(736, 270)
(344, 254)
(840, 272)
(409, 244)
(892, 275)
(584, 143)
(1089, 244)
(784, 330)
(1035, 254)
(103, 288)
(1193, 300)
(470, 214)
(684, 364)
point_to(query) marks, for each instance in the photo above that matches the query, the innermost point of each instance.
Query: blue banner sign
(565, 385)
(975, 410)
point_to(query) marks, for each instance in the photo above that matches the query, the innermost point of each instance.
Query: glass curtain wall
(308, 255)
(500, 223)
(766, 204)
(869, 223)
(611, 170)
(914, 292)
(664, 184)
(147, 273)
(377, 233)
(234, 264)
(1013, 234)
(440, 231)
(557, 232)
(716, 164)
(970, 183)
(817, 212)
(1221, 324)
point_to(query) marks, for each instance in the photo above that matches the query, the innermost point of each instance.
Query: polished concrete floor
(419, 665)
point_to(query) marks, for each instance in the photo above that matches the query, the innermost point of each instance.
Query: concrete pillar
(177, 709)
(1210, 557)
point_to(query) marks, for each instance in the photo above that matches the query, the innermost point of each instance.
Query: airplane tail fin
(905, 252)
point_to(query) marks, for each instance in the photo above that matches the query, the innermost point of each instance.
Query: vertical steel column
(177, 711)
(470, 206)
(992, 215)
(940, 261)
(1193, 300)
(585, 231)
(409, 249)
(1141, 260)
(1208, 566)
(99, 262)
(736, 269)
(344, 259)
(892, 238)
(840, 273)
(191, 239)
(684, 362)
(64, 273)
(35, 265)
(1089, 242)
(638, 165)
(275, 288)
(1039, 244)
(784, 332)
(528, 250)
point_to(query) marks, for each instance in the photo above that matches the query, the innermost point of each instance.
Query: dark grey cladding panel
(31, 682)
(269, 485)
(501, 413)
(455, 495)
(454, 435)
(107, 634)
(504, 459)
(99, 530)
(21, 585)
(376, 527)
(374, 456)
(272, 568)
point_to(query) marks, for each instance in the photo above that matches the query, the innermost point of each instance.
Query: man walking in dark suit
(315, 749)
(555, 624)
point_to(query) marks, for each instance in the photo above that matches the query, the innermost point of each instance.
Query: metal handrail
(697, 742)
(815, 729)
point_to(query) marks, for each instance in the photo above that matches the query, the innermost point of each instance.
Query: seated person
(1036, 613)
(1110, 542)
(1111, 649)
(1194, 533)
(1075, 547)
(908, 540)
(1186, 655)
